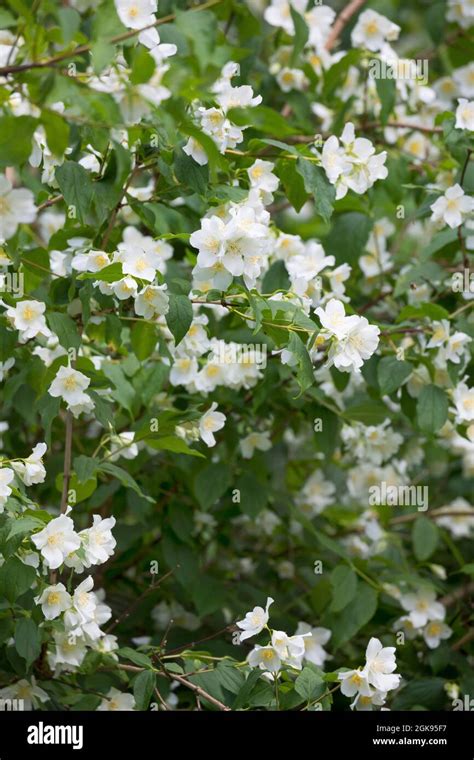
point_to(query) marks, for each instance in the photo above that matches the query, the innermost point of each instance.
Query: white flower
(31, 470)
(457, 518)
(290, 649)
(122, 445)
(69, 651)
(261, 176)
(124, 288)
(354, 682)
(56, 541)
(278, 13)
(358, 345)
(334, 160)
(117, 701)
(98, 541)
(314, 643)
(333, 319)
(463, 398)
(69, 384)
(422, 607)
(6, 477)
(209, 423)
(380, 664)
(184, 370)
(265, 658)
(434, 632)
(16, 207)
(316, 494)
(28, 318)
(254, 621)
(54, 600)
(291, 79)
(452, 207)
(373, 30)
(152, 301)
(25, 690)
(93, 261)
(136, 14)
(255, 441)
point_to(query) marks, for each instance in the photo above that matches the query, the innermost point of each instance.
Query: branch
(341, 21)
(197, 689)
(137, 601)
(51, 62)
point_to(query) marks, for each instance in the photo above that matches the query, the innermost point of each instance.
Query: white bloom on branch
(28, 318)
(69, 384)
(380, 666)
(54, 600)
(6, 477)
(465, 115)
(255, 441)
(117, 701)
(31, 470)
(209, 423)
(265, 658)
(98, 541)
(16, 207)
(373, 30)
(254, 621)
(452, 207)
(56, 541)
(422, 607)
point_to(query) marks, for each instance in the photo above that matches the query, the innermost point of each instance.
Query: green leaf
(263, 119)
(189, 173)
(354, 616)
(143, 689)
(369, 413)
(391, 373)
(143, 338)
(65, 328)
(15, 579)
(85, 468)
(77, 188)
(16, 133)
(24, 525)
(432, 408)
(175, 444)
(348, 236)
(344, 584)
(305, 371)
(57, 132)
(301, 34)
(309, 684)
(387, 92)
(110, 273)
(211, 483)
(102, 54)
(179, 316)
(27, 639)
(425, 537)
(124, 477)
(424, 692)
(253, 494)
(138, 658)
(316, 183)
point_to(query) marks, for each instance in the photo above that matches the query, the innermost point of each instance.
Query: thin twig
(341, 21)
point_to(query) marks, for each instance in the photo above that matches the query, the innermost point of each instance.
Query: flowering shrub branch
(236, 339)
